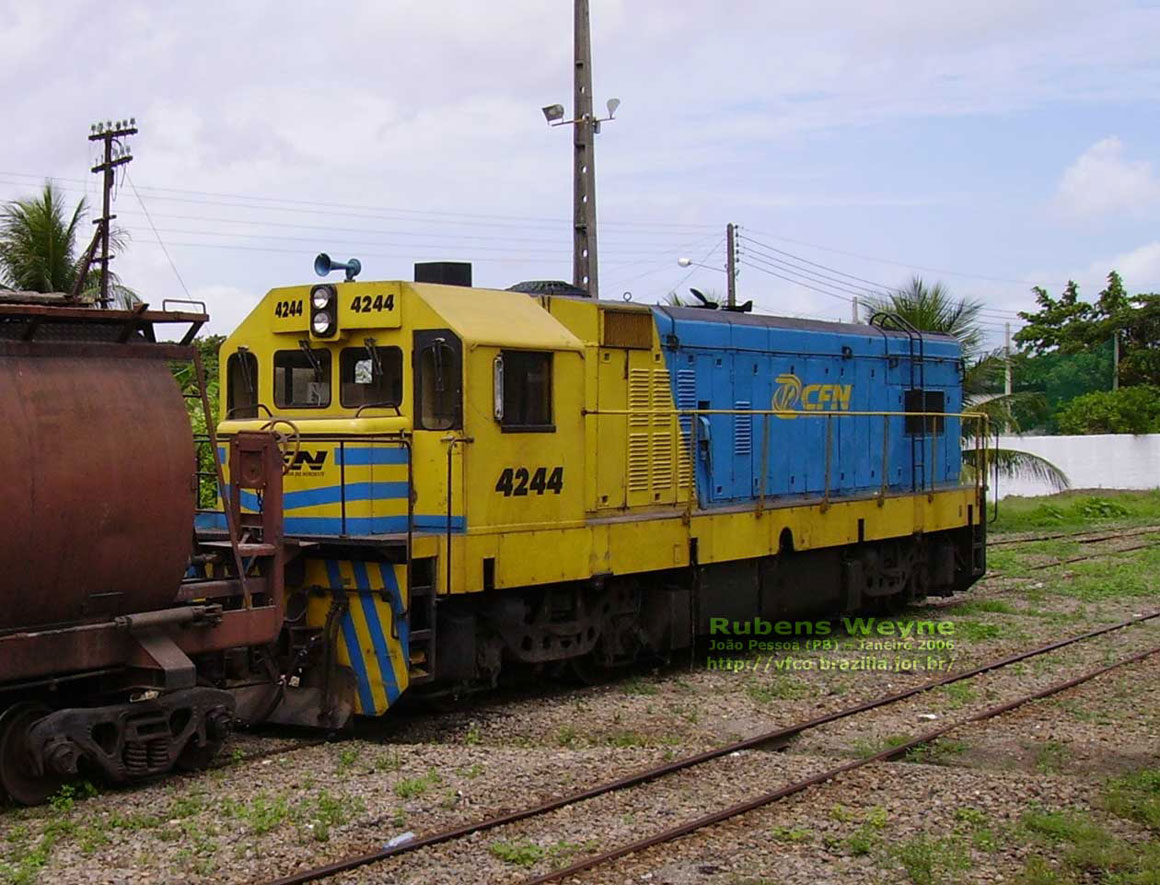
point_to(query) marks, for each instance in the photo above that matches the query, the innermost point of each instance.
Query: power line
(953, 273)
(160, 242)
(157, 193)
(877, 289)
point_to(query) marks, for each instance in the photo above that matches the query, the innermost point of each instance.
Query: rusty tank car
(116, 662)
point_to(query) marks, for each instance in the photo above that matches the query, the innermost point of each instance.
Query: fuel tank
(97, 488)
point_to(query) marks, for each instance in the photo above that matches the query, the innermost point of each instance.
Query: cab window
(370, 376)
(523, 395)
(242, 385)
(438, 380)
(302, 379)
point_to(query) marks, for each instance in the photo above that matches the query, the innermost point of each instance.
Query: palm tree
(934, 309)
(38, 249)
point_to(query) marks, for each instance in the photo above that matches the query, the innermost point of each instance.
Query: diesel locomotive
(478, 478)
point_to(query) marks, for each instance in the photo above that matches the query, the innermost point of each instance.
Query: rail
(691, 439)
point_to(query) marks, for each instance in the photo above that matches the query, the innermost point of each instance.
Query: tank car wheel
(195, 758)
(17, 777)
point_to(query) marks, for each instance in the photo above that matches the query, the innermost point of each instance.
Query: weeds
(410, 788)
(1136, 797)
(522, 852)
(1051, 757)
(930, 861)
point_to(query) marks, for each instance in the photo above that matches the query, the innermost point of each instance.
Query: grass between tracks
(1076, 511)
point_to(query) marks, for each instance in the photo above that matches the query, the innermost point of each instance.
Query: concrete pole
(731, 265)
(1007, 363)
(584, 159)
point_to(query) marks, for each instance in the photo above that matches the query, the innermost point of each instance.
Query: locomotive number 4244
(518, 482)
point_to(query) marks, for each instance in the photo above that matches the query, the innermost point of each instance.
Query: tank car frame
(112, 665)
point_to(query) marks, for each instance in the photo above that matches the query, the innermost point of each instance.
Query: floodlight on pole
(553, 112)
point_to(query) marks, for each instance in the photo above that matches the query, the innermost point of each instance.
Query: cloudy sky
(993, 145)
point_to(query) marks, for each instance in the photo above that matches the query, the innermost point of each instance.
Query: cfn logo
(303, 459)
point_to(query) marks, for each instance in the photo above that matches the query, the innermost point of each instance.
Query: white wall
(1099, 461)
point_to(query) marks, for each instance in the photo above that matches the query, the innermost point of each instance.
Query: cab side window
(242, 385)
(438, 380)
(523, 391)
(302, 379)
(370, 376)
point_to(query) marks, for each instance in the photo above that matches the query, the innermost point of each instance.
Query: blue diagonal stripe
(367, 600)
(397, 609)
(354, 650)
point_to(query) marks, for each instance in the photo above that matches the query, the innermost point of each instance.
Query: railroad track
(306, 744)
(1075, 536)
(769, 798)
(772, 737)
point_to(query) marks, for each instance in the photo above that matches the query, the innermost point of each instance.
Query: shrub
(1127, 410)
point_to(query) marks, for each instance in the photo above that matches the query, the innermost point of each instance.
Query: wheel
(586, 670)
(195, 758)
(17, 777)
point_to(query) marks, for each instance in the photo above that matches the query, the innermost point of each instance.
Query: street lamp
(689, 262)
(731, 299)
(554, 114)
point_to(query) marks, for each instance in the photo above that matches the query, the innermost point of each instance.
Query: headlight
(323, 311)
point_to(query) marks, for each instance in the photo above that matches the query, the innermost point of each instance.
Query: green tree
(208, 348)
(1127, 410)
(38, 248)
(1058, 378)
(934, 309)
(1069, 325)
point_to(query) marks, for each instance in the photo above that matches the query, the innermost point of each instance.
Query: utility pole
(1116, 360)
(854, 304)
(116, 155)
(731, 264)
(586, 126)
(1007, 363)
(584, 268)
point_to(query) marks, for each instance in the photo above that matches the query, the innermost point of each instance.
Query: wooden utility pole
(116, 155)
(731, 264)
(584, 267)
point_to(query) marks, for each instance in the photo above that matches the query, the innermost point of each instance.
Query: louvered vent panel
(742, 430)
(638, 462)
(686, 399)
(662, 460)
(639, 403)
(663, 426)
